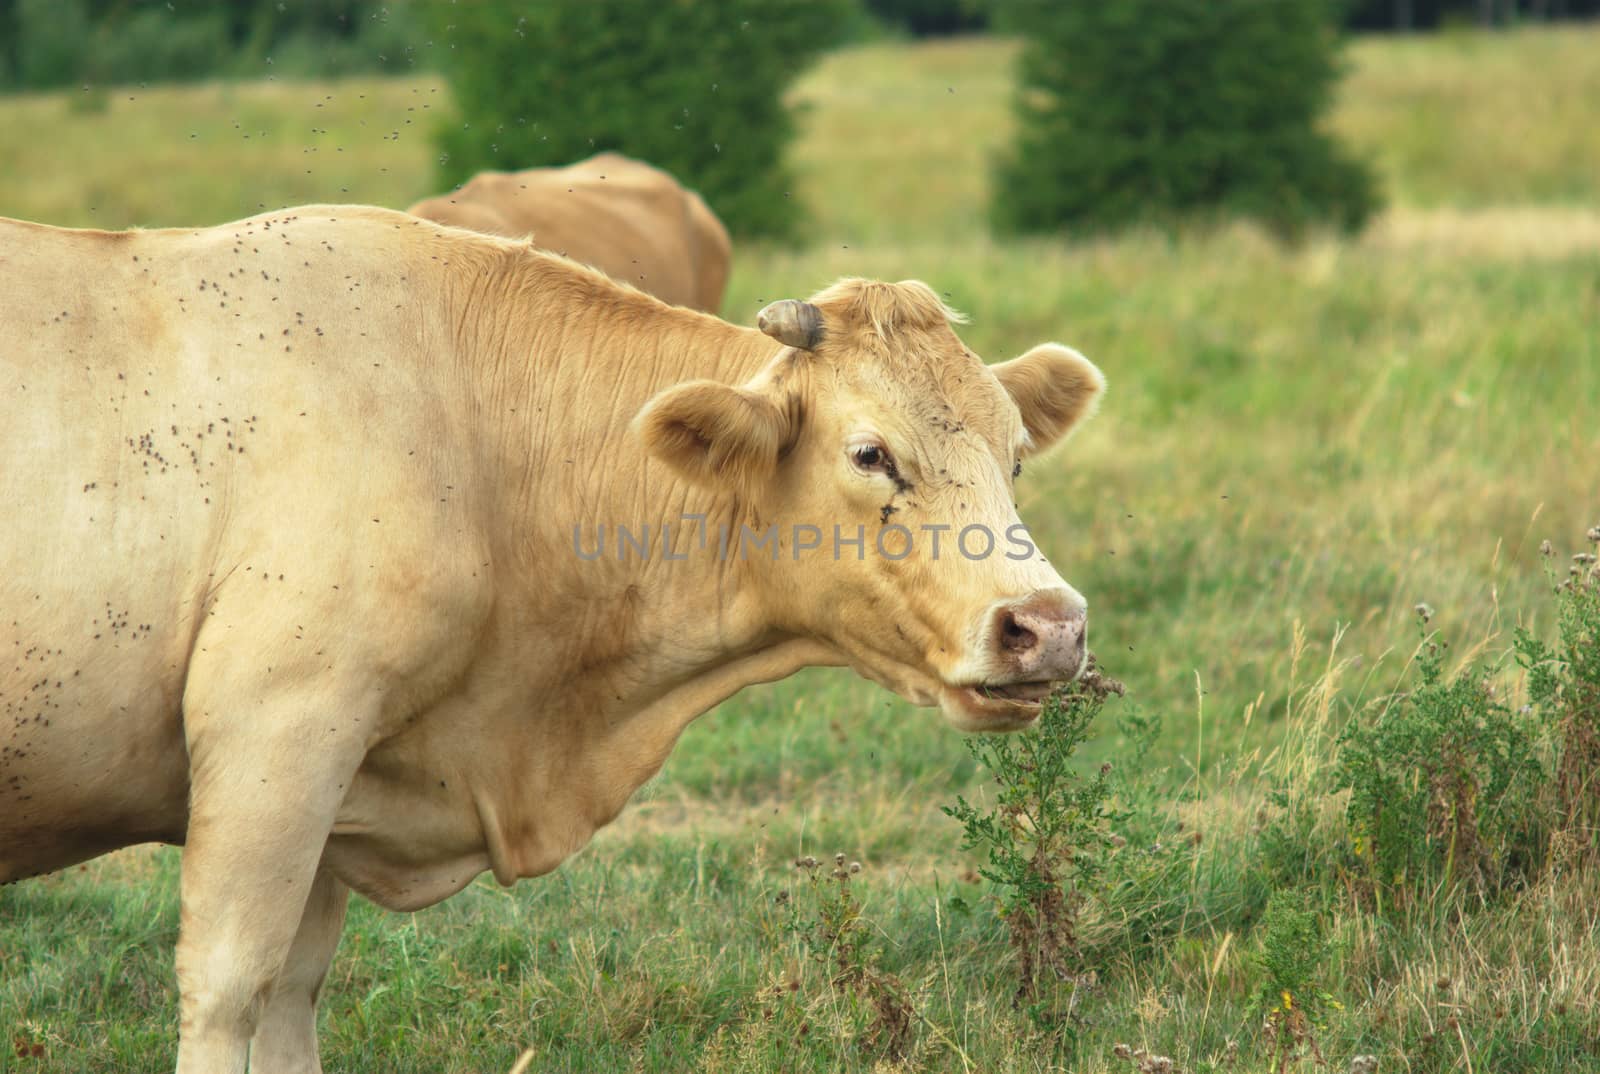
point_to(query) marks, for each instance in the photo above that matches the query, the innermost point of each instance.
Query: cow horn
(792, 323)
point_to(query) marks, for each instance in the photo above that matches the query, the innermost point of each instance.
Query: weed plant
(1564, 688)
(1046, 837)
(1444, 786)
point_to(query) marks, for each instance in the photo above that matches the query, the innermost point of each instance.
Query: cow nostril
(1014, 637)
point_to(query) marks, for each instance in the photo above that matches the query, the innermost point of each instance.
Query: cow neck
(586, 361)
(615, 656)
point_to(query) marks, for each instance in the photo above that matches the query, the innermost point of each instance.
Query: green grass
(1298, 445)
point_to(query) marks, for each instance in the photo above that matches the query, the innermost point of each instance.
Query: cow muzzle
(1042, 639)
(1028, 647)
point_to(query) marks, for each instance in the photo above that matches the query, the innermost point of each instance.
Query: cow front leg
(267, 774)
(285, 1041)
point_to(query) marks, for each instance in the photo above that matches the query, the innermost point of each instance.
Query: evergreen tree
(691, 86)
(1153, 110)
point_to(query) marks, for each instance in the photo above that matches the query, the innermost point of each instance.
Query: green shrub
(1152, 110)
(1289, 955)
(1046, 836)
(1444, 787)
(1564, 686)
(691, 86)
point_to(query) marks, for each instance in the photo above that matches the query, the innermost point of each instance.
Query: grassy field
(1299, 444)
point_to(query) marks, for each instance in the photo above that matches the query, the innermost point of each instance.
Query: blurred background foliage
(46, 44)
(1149, 110)
(1126, 113)
(693, 87)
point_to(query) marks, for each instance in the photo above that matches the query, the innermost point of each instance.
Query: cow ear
(715, 435)
(1055, 388)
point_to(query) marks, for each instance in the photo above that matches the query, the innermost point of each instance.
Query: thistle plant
(1564, 688)
(834, 932)
(1443, 783)
(1045, 835)
(1290, 958)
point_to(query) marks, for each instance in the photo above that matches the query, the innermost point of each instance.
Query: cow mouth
(1030, 692)
(996, 706)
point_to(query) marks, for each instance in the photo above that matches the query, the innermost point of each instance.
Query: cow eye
(1016, 470)
(871, 458)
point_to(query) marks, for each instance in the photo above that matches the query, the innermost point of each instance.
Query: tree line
(46, 44)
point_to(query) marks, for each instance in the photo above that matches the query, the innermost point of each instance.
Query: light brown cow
(299, 566)
(629, 220)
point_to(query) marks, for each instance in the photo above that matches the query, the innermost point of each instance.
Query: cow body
(632, 221)
(209, 453)
(289, 573)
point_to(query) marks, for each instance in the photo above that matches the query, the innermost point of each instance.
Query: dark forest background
(47, 44)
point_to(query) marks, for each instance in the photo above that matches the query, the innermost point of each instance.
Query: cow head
(885, 452)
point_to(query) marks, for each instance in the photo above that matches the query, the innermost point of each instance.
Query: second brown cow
(632, 221)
